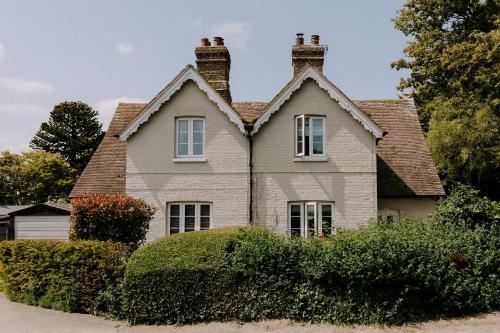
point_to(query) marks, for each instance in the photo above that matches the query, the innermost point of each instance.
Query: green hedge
(79, 276)
(384, 273)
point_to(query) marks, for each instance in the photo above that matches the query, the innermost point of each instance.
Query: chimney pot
(205, 42)
(299, 40)
(307, 55)
(315, 39)
(218, 41)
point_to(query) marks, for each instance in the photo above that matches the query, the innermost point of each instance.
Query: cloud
(237, 34)
(2, 51)
(107, 107)
(124, 47)
(20, 109)
(25, 86)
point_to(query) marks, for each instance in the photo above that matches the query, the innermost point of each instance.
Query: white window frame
(310, 134)
(182, 215)
(302, 117)
(318, 226)
(190, 121)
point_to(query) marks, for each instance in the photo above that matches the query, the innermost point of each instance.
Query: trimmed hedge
(79, 276)
(380, 273)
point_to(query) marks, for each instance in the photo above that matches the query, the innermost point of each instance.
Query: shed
(39, 221)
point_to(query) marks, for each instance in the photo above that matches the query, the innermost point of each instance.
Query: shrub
(384, 273)
(465, 206)
(80, 276)
(114, 217)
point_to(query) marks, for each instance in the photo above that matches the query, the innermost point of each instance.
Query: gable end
(188, 73)
(335, 93)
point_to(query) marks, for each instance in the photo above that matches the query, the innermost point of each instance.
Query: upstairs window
(190, 137)
(188, 216)
(311, 219)
(309, 135)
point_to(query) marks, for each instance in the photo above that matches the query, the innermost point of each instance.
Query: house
(309, 160)
(39, 221)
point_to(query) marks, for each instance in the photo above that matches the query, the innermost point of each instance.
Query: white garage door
(41, 227)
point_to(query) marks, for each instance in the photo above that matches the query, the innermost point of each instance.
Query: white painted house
(309, 160)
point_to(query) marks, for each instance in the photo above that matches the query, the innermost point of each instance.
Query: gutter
(248, 130)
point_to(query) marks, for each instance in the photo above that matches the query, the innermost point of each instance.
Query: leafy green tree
(465, 206)
(72, 131)
(454, 60)
(34, 177)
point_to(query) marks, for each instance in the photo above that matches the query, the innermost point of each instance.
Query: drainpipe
(248, 129)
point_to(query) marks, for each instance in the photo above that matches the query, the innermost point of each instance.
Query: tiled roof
(105, 172)
(404, 164)
(248, 110)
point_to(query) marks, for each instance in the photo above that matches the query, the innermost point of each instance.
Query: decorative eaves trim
(330, 88)
(188, 73)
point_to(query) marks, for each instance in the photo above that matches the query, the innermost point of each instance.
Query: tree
(464, 206)
(72, 131)
(34, 177)
(454, 59)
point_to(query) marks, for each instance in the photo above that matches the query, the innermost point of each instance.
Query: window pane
(174, 219)
(189, 217)
(306, 136)
(182, 137)
(317, 132)
(198, 125)
(183, 149)
(198, 149)
(205, 210)
(204, 217)
(198, 137)
(174, 222)
(310, 220)
(326, 219)
(295, 219)
(204, 222)
(174, 210)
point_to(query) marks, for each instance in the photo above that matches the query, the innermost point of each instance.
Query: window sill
(189, 159)
(311, 159)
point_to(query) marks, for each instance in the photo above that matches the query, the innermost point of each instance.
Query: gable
(187, 74)
(152, 149)
(335, 93)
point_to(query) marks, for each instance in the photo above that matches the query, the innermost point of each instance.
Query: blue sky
(102, 52)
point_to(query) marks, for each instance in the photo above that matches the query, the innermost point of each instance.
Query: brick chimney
(213, 63)
(304, 55)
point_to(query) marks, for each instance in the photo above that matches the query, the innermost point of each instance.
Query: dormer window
(190, 137)
(309, 135)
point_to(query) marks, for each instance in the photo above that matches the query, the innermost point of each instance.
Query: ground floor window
(188, 216)
(310, 219)
(389, 215)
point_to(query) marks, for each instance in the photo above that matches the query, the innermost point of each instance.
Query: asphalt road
(21, 318)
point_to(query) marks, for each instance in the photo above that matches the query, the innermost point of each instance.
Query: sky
(105, 51)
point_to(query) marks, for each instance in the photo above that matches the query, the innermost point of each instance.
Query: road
(21, 318)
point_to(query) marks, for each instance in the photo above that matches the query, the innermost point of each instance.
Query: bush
(388, 273)
(114, 217)
(465, 206)
(80, 276)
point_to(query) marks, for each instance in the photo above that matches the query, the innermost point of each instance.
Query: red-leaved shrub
(114, 217)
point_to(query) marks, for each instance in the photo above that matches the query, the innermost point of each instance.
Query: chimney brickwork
(213, 63)
(307, 55)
